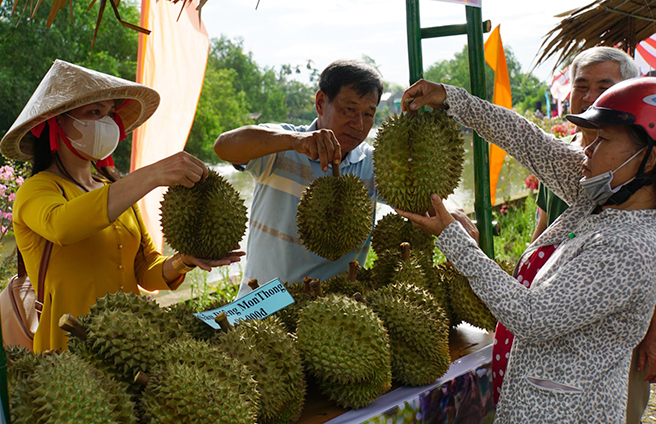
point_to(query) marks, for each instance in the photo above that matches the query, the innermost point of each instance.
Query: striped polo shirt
(274, 248)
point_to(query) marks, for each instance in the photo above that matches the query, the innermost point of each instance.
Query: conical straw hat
(67, 86)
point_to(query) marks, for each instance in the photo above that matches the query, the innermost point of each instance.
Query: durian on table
(334, 215)
(207, 220)
(416, 155)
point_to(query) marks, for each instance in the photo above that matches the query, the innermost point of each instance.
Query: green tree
(524, 86)
(28, 48)
(220, 108)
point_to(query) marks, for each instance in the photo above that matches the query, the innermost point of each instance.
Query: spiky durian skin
(206, 221)
(123, 343)
(392, 230)
(265, 347)
(340, 284)
(343, 342)
(416, 155)
(66, 389)
(465, 305)
(420, 353)
(213, 361)
(183, 393)
(334, 215)
(289, 314)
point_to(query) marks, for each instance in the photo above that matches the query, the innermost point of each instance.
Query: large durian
(199, 383)
(183, 393)
(64, 388)
(420, 353)
(345, 347)
(334, 215)
(416, 155)
(265, 348)
(207, 220)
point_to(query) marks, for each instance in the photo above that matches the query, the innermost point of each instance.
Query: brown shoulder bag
(19, 304)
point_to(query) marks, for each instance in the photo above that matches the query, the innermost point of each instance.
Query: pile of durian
(351, 338)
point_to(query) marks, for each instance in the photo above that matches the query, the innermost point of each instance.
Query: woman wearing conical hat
(76, 117)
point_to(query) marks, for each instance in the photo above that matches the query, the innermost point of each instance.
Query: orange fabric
(172, 60)
(496, 58)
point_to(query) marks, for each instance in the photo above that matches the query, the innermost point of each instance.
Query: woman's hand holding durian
(434, 221)
(179, 264)
(423, 93)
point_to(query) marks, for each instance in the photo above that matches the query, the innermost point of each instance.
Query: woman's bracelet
(179, 266)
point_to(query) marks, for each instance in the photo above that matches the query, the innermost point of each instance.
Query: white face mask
(598, 187)
(99, 136)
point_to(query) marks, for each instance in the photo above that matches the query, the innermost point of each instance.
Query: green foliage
(28, 50)
(526, 88)
(220, 108)
(517, 221)
(204, 293)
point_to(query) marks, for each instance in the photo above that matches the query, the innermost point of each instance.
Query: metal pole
(482, 203)
(414, 41)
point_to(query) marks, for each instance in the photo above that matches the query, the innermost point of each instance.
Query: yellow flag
(172, 60)
(496, 58)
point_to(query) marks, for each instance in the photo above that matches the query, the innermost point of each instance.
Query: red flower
(531, 182)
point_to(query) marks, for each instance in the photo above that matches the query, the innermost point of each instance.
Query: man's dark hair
(363, 78)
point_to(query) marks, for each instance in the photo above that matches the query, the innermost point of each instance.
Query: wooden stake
(253, 284)
(222, 320)
(67, 322)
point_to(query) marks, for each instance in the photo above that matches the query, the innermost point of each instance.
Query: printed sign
(260, 303)
(473, 3)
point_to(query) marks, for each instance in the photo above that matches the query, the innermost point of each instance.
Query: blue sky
(295, 31)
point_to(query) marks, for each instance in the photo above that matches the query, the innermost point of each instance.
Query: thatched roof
(621, 23)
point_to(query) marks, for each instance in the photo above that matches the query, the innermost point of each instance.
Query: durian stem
(67, 322)
(359, 298)
(222, 320)
(141, 379)
(335, 169)
(315, 285)
(353, 270)
(253, 284)
(306, 281)
(405, 250)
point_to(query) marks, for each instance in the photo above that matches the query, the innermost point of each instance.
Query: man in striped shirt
(284, 159)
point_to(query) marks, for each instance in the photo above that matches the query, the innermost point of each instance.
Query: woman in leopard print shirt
(591, 302)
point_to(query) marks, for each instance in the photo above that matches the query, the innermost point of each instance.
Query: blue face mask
(598, 187)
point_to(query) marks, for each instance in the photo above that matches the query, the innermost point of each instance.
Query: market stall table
(462, 395)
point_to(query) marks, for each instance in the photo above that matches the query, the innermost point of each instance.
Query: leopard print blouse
(589, 305)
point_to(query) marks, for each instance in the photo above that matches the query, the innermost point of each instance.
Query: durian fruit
(183, 393)
(346, 283)
(207, 220)
(269, 352)
(419, 332)
(334, 215)
(198, 383)
(416, 155)
(345, 347)
(465, 305)
(392, 230)
(118, 342)
(64, 388)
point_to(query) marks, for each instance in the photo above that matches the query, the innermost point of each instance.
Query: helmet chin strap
(640, 181)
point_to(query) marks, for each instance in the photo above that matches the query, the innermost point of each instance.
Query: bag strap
(43, 268)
